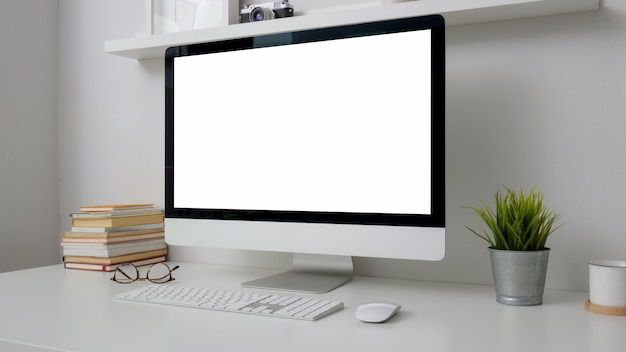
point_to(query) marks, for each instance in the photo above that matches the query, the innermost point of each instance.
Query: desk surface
(73, 310)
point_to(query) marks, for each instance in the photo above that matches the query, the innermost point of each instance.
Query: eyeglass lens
(126, 273)
(159, 273)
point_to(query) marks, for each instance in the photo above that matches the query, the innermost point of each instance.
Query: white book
(111, 250)
(117, 229)
(111, 240)
(115, 214)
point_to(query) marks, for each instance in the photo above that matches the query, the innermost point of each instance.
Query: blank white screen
(340, 126)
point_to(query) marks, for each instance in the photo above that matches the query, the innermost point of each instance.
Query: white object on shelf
(183, 15)
(456, 12)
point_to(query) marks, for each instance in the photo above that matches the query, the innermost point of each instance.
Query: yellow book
(120, 221)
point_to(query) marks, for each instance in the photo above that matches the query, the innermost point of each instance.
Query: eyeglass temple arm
(170, 273)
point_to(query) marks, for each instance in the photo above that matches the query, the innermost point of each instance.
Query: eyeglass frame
(138, 278)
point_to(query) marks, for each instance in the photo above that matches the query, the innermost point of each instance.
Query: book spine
(119, 221)
(110, 268)
(89, 267)
(111, 252)
(111, 240)
(113, 207)
(155, 226)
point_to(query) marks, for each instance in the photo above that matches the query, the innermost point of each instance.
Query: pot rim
(512, 250)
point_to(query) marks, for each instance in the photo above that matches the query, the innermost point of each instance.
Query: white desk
(51, 308)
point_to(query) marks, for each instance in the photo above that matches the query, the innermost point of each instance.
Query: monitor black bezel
(437, 217)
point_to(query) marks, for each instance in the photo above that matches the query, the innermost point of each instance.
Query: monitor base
(310, 273)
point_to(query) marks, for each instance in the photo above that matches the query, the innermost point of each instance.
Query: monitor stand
(309, 273)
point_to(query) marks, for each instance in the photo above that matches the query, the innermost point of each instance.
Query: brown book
(100, 267)
(118, 221)
(108, 240)
(115, 260)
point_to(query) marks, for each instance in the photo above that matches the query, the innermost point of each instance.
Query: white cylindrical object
(607, 283)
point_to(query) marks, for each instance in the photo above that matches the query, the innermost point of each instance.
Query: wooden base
(594, 308)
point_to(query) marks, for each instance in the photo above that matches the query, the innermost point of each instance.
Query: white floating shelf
(456, 12)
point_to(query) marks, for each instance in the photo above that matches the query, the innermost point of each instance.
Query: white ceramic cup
(607, 283)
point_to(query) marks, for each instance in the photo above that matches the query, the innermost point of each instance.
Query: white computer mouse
(376, 312)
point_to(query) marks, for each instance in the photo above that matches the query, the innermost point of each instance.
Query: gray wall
(536, 101)
(29, 202)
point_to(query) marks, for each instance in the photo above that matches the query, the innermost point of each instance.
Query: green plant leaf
(519, 222)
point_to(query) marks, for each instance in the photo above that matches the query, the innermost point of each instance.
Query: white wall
(110, 110)
(29, 203)
(536, 102)
(530, 102)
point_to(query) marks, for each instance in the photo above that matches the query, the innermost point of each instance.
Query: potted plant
(517, 230)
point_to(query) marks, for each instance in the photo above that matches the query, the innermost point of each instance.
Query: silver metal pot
(519, 276)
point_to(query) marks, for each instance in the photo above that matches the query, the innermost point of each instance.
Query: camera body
(265, 11)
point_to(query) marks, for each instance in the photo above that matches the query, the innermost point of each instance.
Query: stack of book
(105, 236)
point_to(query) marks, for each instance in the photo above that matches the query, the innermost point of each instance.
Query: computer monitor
(326, 143)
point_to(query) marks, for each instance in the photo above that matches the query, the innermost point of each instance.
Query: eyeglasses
(158, 273)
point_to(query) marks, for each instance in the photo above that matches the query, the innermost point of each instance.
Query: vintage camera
(265, 11)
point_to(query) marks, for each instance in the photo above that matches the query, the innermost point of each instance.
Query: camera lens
(261, 14)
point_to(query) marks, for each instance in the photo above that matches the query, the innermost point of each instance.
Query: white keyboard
(234, 301)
